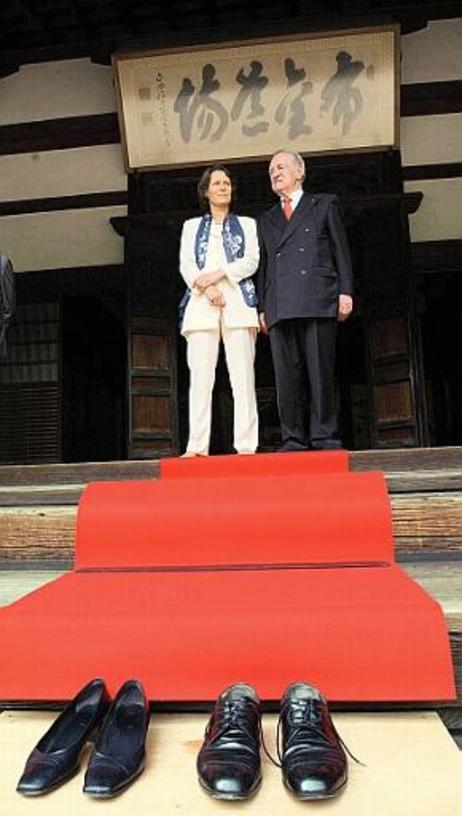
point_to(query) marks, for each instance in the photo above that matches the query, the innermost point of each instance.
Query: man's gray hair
(299, 160)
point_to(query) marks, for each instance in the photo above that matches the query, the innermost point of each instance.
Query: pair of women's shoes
(118, 729)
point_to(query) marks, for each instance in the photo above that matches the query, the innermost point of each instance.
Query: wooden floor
(411, 766)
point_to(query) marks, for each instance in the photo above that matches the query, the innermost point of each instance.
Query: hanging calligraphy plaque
(313, 94)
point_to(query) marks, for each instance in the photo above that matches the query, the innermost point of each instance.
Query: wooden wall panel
(439, 217)
(30, 388)
(150, 351)
(50, 90)
(433, 53)
(393, 402)
(60, 240)
(389, 337)
(55, 173)
(151, 414)
(431, 139)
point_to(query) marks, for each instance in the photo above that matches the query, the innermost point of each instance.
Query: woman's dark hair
(204, 183)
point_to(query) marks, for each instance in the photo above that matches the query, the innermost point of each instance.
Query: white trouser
(203, 349)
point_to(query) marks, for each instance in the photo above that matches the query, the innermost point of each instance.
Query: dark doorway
(441, 332)
(93, 377)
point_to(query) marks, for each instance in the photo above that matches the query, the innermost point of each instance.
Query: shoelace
(233, 721)
(307, 728)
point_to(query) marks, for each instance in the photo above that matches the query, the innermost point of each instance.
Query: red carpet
(360, 634)
(271, 464)
(191, 583)
(328, 518)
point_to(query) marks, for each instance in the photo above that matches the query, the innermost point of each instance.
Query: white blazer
(200, 314)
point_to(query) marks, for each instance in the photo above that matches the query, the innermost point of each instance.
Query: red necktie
(287, 207)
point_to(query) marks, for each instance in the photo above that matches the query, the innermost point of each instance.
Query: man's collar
(295, 196)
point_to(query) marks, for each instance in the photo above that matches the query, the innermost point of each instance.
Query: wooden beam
(417, 172)
(430, 98)
(437, 256)
(75, 202)
(59, 134)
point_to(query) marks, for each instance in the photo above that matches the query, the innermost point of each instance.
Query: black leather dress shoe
(292, 446)
(118, 756)
(314, 764)
(56, 756)
(327, 444)
(228, 763)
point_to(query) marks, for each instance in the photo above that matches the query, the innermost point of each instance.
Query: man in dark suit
(7, 300)
(305, 287)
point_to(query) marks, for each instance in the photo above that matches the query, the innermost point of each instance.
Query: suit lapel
(306, 203)
(277, 218)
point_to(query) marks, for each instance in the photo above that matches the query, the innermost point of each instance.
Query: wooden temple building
(95, 382)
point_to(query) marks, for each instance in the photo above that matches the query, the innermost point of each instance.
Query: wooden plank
(73, 131)
(29, 496)
(429, 784)
(57, 494)
(406, 469)
(76, 474)
(428, 521)
(38, 534)
(424, 481)
(424, 98)
(14, 584)
(403, 459)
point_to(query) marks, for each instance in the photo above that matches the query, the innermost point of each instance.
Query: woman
(218, 254)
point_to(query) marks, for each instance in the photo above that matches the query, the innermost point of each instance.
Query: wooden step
(414, 469)
(410, 766)
(76, 474)
(38, 502)
(425, 525)
(441, 580)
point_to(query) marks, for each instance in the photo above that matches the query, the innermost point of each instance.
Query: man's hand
(345, 307)
(215, 296)
(263, 326)
(208, 279)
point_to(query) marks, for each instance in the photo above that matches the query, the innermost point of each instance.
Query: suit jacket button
(303, 272)
(277, 254)
(307, 229)
(301, 249)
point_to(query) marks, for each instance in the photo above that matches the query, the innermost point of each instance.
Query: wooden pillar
(392, 338)
(151, 257)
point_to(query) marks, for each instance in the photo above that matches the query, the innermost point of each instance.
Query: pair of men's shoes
(313, 762)
(320, 445)
(119, 730)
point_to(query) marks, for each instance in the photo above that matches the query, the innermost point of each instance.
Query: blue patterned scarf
(234, 248)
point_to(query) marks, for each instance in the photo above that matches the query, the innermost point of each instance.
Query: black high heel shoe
(56, 756)
(118, 756)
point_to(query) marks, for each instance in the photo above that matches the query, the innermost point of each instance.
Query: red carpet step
(263, 568)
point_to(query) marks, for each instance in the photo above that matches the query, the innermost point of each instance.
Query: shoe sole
(230, 797)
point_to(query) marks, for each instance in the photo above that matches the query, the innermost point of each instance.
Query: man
(305, 287)
(7, 300)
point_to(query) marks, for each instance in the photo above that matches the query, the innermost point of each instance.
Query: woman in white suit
(218, 255)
